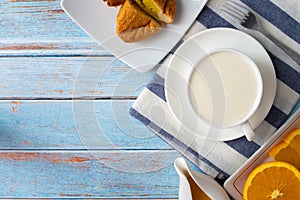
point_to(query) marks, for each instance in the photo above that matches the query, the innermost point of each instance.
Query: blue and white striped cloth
(221, 159)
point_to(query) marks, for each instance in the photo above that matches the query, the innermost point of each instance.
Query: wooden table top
(49, 144)
(44, 154)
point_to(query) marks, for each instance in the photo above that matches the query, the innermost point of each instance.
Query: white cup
(225, 90)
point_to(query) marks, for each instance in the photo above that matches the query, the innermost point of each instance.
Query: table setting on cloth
(272, 43)
(220, 159)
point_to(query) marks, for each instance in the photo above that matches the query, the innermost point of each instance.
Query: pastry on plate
(114, 2)
(162, 10)
(140, 19)
(133, 24)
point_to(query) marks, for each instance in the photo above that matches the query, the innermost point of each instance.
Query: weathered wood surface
(57, 47)
(45, 151)
(56, 77)
(36, 20)
(46, 125)
(48, 69)
(108, 174)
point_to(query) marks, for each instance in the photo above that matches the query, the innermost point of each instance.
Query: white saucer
(182, 65)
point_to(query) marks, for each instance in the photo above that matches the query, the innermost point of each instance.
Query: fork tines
(235, 10)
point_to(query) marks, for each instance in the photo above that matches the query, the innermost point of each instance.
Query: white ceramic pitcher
(194, 186)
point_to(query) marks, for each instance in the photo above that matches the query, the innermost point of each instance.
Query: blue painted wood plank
(69, 77)
(36, 19)
(108, 174)
(73, 125)
(42, 47)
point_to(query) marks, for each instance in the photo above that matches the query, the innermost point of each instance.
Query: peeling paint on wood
(27, 47)
(55, 77)
(43, 154)
(14, 106)
(56, 174)
(28, 157)
(58, 11)
(36, 19)
(47, 125)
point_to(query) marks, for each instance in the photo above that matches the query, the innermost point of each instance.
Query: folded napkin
(221, 159)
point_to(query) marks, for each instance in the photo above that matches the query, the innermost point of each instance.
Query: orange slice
(293, 139)
(277, 148)
(284, 152)
(273, 181)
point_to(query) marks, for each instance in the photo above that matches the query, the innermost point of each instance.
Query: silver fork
(247, 19)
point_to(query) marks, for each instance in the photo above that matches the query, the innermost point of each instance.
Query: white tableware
(182, 64)
(193, 184)
(235, 184)
(225, 89)
(99, 21)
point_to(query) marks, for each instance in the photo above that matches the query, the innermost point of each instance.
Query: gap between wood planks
(120, 98)
(85, 151)
(54, 55)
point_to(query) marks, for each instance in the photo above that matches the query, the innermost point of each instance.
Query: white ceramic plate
(235, 184)
(99, 21)
(182, 65)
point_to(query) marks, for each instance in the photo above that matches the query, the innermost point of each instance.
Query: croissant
(114, 2)
(141, 19)
(133, 24)
(162, 10)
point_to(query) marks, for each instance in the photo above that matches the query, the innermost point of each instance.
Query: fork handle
(294, 55)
